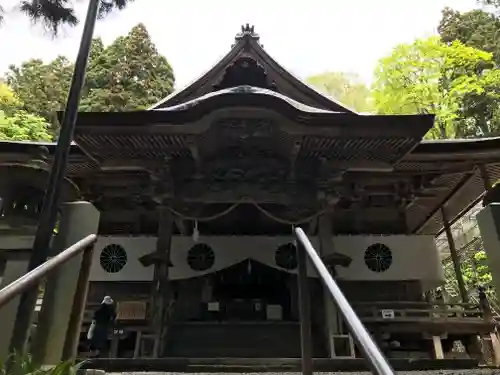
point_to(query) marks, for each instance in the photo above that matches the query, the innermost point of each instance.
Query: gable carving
(245, 71)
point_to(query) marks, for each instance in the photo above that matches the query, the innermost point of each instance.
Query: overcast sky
(306, 37)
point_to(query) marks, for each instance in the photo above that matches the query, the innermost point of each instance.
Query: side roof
(247, 46)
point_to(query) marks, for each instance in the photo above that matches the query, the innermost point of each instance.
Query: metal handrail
(367, 346)
(33, 277)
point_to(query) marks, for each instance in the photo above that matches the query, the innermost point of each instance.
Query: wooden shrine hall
(199, 195)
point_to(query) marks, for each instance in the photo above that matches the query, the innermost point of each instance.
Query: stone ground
(435, 372)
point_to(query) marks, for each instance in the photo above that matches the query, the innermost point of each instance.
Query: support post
(64, 285)
(454, 257)
(70, 349)
(161, 292)
(48, 214)
(438, 347)
(305, 311)
(331, 313)
(485, 176)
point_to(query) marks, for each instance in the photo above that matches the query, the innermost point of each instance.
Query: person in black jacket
(102, 321)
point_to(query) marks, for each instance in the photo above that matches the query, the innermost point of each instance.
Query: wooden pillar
(485, 177)
(438, 347)
(454, 257)
(161, 287)
(331, 314)
(305, 311)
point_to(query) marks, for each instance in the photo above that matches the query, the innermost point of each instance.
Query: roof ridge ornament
(247, 31)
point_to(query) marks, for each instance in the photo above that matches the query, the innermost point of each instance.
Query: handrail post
(70, 348)
(305, 311)
(377, 361)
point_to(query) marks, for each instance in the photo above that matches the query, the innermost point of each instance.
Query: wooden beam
(485, 177)
(454, 257)
(464, 180)
(305, 311)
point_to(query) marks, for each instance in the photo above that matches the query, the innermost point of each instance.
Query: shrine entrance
(252, 291)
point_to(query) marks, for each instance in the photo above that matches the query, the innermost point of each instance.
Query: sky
(306, 37)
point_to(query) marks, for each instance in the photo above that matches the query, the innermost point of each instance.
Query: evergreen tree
(477, 28)
(130, 74)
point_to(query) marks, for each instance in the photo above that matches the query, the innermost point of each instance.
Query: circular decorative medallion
(286, 256)
(201, 257)
(113, 258)
(378, 257)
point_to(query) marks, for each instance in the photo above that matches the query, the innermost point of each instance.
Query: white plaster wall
(16, 242)
(414, 257)
(228, 251)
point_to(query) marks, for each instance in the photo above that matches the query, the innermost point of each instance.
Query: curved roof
(247, 44)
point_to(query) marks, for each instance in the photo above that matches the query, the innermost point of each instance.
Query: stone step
(275, 365)
(235, 340)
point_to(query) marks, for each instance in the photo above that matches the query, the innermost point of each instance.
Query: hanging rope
(256, 205)
(206, 218)
(288, 222)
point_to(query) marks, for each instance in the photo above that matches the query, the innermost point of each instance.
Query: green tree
(129, 74)
(453, 81)
(23, 126)
(476, 28)
(347, 88)
(42, 88)
(55, 13)
(9, 102)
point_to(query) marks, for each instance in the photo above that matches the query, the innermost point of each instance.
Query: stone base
(247, 365)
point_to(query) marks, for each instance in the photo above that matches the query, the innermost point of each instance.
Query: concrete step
(276, 365)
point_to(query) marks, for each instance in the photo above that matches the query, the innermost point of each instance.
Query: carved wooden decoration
(245, 71)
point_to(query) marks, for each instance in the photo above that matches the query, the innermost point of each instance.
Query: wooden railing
(410, 310)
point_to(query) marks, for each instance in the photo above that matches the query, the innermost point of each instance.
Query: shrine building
(198, 197)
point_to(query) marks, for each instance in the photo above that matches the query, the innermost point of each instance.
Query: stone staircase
(252, 340)
(282, 366)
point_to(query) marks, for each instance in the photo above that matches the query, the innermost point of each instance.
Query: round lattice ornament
(378, 257)
(201, 257)
(113, 258)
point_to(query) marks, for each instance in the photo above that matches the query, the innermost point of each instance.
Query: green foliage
(9, 102)
(453, 81)
(129, 74)
(24, 365)
(42, 88)
(476, 271)
(347, 88)
(477, 28)
(55, 13)
(23, 126)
